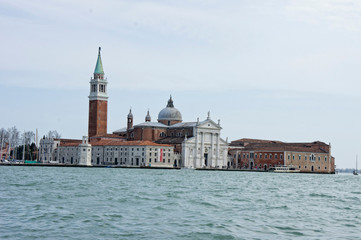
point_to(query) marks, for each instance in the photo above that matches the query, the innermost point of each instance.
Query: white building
(115, 152)
(206, 149)
(46, 149)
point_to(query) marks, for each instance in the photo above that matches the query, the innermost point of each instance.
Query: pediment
(209, 124)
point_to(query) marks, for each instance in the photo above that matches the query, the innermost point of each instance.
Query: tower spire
(130, 119)
(99, 65)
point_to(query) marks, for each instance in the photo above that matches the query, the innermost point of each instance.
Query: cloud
(343, 14)
(201, 45)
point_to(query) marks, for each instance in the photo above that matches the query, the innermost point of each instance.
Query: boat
(284, 169)
(355, 171)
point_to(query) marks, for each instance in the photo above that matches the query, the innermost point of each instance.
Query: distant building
(4, 151)
(46, 149)
(264, 154)
(116, 152)
(199, 143)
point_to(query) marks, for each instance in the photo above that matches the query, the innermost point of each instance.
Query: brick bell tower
(98, 101)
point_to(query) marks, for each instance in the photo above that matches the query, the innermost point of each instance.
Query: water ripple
(86, 203)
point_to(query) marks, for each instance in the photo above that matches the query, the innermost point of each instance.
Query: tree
(13, 138)
(28, 137)
(54, 134)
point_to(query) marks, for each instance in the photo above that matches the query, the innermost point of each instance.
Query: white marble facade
(206, 149)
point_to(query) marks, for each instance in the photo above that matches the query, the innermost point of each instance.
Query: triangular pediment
(209, 124)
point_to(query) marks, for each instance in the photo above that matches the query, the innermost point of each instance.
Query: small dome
(170, 113)
(148, 118)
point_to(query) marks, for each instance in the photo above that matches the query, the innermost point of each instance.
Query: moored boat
(284, 169)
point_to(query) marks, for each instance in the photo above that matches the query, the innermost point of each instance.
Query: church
(169, 142)
(198, 143)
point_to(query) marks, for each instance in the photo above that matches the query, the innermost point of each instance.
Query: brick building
(264, 154)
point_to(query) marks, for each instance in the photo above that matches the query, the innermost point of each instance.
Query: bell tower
(98, 101)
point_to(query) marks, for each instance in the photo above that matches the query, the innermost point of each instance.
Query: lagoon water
(113, 203)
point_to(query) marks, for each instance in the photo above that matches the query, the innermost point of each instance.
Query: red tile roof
(266, 145)
(114, 142)
(69, 142)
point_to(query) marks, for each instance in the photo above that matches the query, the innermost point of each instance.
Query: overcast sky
(280, 70)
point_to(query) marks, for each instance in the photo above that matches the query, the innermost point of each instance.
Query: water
(106, 203)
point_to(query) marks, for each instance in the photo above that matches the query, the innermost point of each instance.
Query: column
(212, 151)
(202, 151)
(217, 149)
(195, 150)
(237, 159)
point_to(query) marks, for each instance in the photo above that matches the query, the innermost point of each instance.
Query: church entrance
(206, 159)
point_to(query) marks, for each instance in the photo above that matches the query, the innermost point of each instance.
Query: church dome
(170, 113)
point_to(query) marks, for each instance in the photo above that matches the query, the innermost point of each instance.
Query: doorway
(206, 159)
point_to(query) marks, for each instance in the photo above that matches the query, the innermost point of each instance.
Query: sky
(285, 70)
